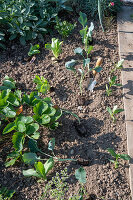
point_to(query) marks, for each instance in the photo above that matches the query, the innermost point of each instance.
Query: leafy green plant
(114, 111)
(42, 84)
(55, 46)
(112, 79)
(84, 70)
(117, 157)
(58, 187)
(64, 28)
(112, 82)
(28, 20)
(86, 32)
(34, 49)
(6, 194)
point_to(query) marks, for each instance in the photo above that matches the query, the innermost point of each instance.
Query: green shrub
(28, 20)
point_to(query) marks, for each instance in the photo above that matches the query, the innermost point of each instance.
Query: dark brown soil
(97, 133)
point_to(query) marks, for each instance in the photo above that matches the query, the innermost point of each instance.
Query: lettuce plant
(55, 47)
(117, 157)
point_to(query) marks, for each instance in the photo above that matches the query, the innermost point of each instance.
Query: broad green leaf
(109, 110)
(10, 127)
(9, 111)
(32, 144)
(86, 62)
(89, 49)
(40, 169)
(70, 65)
(21, 127)
(10, 163)
(49, 164)
(17, 140)
(83, 19)
(125, 156)
(50, 111)
(32, 128)
(80, 175)
(31, 172)
(40, 108)
(24, 119)
(118, 111)
(30, 158)
(45, 119)
(112, 152)
(9, 84)
(36, 135)
(78, 51)
(51, 144)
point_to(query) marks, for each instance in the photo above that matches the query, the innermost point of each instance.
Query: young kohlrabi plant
(117, 157)
(114, 111)
(34, 49)
(64, 28)
(85, 69)
(55, 46)
(86, 33)
(112, 79)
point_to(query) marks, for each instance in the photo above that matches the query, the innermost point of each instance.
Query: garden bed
(103, 180)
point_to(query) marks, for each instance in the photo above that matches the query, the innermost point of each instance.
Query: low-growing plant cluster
(28, 20)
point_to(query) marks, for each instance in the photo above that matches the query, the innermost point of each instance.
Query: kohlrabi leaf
(80, 175)
(78, 51)
(125, 156)
(51, 144)
(109, 110)
(112, 152)
(83, 19)
(70, 65)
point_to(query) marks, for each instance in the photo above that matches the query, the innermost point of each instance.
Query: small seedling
(112, 82)
(55, 46)
(114, 111)
(34, 50)
(117, 156)
(64, 28)
(118, 66)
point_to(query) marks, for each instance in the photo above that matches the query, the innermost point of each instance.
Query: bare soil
(99, 131)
